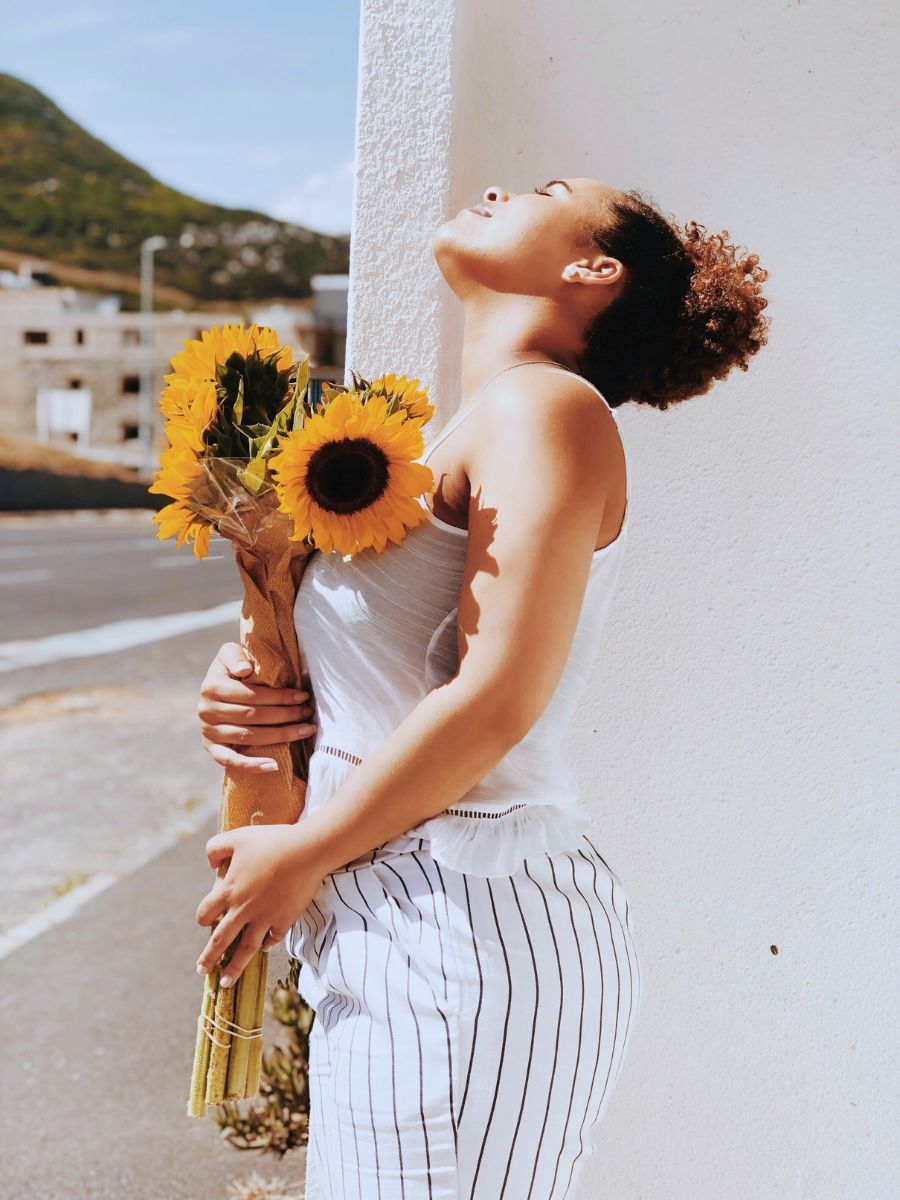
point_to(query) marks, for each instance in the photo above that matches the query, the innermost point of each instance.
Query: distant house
(73, 360)
(330, 294)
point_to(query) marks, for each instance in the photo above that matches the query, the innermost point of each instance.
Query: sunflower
(195, 410)
(178, 474)
(348, 477)
(179, 518)
(405, 393)
(200, 358)
(181, 476)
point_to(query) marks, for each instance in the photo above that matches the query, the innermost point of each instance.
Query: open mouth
(479, 210)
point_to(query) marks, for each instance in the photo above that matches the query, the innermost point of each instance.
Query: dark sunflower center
(347, 476)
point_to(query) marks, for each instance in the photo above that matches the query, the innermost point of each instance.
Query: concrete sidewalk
(99, 1016)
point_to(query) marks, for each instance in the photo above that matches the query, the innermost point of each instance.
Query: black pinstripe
(497, 1012)
(558, 1028)
(532, 1033)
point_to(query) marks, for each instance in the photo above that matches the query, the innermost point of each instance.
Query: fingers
(214, 712)
(272, 939)
(229, 679)
(220, 847)
(260, 693)
(214, 904)
(257, 735)
(220, 686)
(226, 932)
(220, 689)
(252, 764)
(235, 712)
(226, 725)
(235, 658)
(250, 942)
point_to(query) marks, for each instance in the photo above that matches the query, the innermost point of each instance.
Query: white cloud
(323, 201)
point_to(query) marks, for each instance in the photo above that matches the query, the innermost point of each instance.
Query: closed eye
(543, 192)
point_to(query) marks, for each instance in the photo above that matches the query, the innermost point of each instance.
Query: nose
(495, 192)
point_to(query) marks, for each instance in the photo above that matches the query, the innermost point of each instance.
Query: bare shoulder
(541, 454)
(554, 430)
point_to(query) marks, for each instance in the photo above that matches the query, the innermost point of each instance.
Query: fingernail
(201, 970)
(225, 981)
(270, 766)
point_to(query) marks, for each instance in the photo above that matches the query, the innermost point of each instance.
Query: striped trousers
(469, 1030)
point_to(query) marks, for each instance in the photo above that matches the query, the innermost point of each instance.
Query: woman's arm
(538, 482)
(538, 473)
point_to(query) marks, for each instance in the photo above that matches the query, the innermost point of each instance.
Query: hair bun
(688, 312)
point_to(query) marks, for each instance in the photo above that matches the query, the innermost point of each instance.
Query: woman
(469, 953)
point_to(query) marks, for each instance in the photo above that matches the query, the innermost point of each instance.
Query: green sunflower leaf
(254, 474)
(282, 422)
(301, 388)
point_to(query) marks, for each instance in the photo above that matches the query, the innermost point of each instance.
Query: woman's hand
(270, 879)
(232, 710)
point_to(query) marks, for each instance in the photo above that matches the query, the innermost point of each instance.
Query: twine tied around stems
(235, 1030)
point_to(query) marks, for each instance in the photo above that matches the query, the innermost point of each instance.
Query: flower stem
(255, 1060)
(197, 1101)
(221, 1048)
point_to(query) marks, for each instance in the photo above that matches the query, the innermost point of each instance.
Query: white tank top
(378, 631)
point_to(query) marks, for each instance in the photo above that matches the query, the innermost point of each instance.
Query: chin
(459, 256)
(445, 242)
(447, 229)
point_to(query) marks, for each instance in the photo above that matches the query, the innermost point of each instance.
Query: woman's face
(520, 242)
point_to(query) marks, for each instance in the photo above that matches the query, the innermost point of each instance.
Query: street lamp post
(148, 246)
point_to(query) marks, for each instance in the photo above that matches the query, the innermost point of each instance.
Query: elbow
(499, 714)
(522, 717)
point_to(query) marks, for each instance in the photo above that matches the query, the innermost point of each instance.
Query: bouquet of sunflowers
(251, 457)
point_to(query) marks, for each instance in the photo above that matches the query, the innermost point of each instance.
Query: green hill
(68, 197)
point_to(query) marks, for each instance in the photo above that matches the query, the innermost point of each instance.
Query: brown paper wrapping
(270, 567)
(270, 571)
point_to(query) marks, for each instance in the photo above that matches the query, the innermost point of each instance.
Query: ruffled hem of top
(490, 845)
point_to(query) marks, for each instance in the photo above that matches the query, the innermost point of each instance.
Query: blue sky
(239, 104)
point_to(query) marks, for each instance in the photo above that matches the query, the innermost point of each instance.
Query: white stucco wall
(736, 749)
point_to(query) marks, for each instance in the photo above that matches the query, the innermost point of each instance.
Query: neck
(504, 331)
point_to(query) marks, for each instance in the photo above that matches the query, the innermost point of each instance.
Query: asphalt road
(77, 570)
(100, 1018)
(101, 750)
(106, 801)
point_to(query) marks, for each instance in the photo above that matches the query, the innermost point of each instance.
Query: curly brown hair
(688, 312)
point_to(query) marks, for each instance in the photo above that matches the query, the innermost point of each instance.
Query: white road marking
(25, 576)
(174, 561)
(111, 546)
(66, 906)
(116, 635)
(75, 547)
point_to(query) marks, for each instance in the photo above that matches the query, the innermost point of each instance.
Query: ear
(602, 269)
(609, 269)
